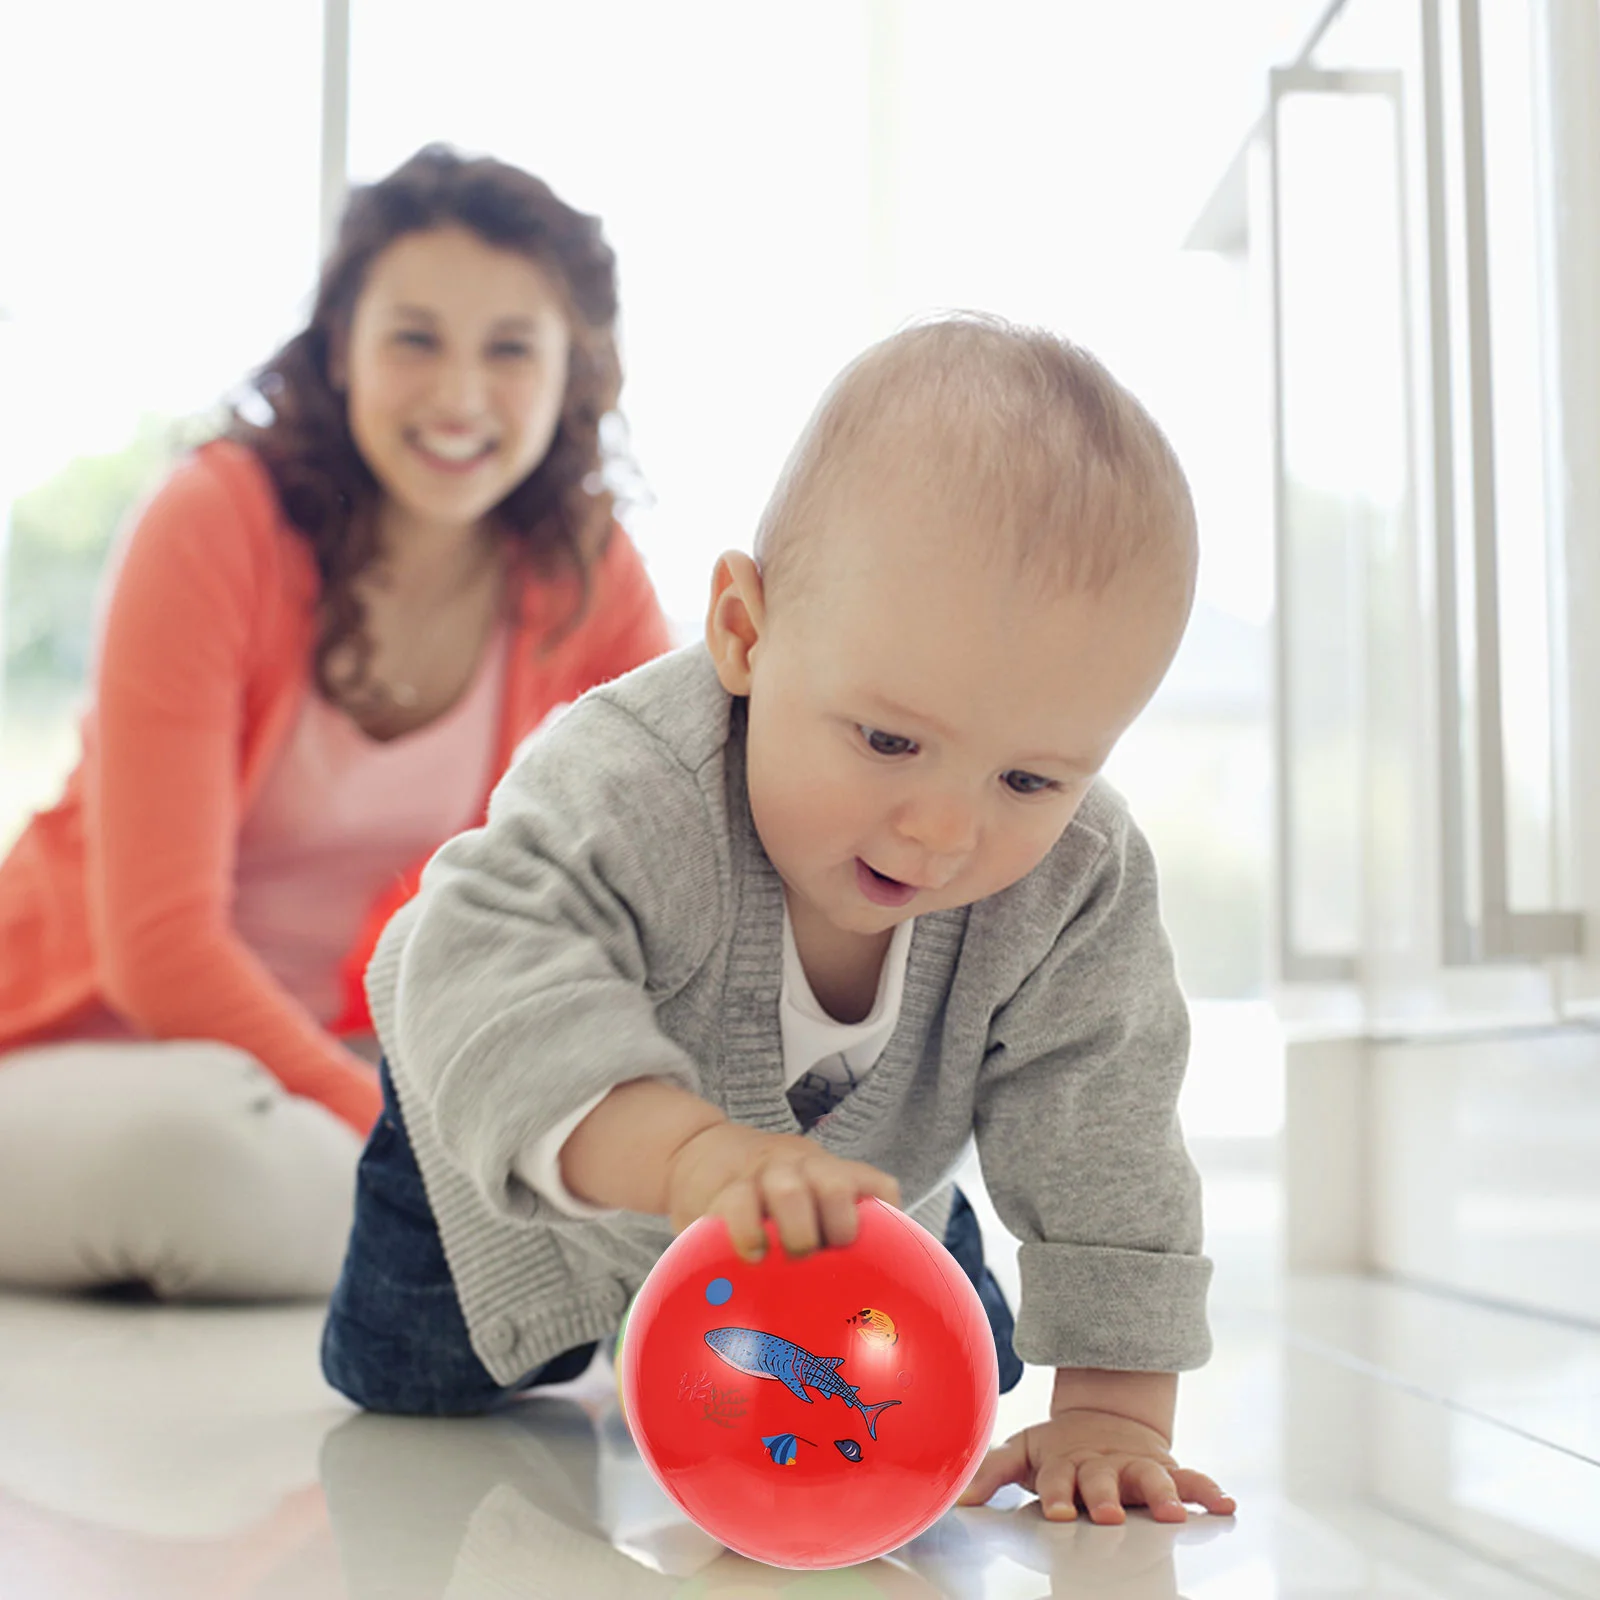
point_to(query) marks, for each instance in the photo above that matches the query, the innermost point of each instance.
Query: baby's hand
(744, 1175)
(1105, 1462)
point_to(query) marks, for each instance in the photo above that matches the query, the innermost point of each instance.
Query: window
(162, 241)
(782, 185)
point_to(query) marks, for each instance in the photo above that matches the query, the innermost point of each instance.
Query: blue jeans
(395, 1339)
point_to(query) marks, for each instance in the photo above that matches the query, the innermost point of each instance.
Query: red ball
(811, 1412)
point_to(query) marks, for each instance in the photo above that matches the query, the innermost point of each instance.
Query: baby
(786, 918)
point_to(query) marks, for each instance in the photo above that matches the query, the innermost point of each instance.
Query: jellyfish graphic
(783, 1447)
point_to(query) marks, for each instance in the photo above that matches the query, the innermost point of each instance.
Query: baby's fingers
(1100, 1486)
(739, 1206)
(1150, 1482)
(1202, 1491)
(840, 1186)
(1058, 1485)
(880, 1185)
(791, 1203)
(837, 1199)
(1006, 1463)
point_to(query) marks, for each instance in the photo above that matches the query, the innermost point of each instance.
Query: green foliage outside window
(60, 534)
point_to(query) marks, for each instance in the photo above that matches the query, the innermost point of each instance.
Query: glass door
(1423, 736)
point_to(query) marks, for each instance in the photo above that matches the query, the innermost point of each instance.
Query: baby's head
(972, 576)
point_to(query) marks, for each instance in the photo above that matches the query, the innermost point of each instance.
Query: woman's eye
(1029, 783)
(887, 744)
(415, 338)
(512, 350)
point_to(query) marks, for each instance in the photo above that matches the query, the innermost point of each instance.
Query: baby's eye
(886, 744)
(1028, 783)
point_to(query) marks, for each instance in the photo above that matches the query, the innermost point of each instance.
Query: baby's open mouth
(880, 888)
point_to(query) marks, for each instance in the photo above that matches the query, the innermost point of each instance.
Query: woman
(324, 637)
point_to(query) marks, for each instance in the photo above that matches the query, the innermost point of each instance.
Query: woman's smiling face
(454, 372)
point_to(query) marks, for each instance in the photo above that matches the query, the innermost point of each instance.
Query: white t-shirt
(823, 1060)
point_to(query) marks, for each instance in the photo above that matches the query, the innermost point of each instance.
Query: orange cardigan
(121, 893)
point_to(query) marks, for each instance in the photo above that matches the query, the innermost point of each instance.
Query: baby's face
(922, 728)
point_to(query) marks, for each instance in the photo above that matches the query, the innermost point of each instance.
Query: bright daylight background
(783, 183)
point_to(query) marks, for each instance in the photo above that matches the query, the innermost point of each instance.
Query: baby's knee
(393, 1374)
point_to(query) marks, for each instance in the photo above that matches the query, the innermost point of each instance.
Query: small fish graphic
(848, 1448)
(765, 1355)
(784, 1447)
(876, 1327)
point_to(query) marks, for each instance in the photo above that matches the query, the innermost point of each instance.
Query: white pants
(183, 1165)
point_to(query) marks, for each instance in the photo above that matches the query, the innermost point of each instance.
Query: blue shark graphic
(765, 1355)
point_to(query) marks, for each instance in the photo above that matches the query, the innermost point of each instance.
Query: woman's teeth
(453, 448)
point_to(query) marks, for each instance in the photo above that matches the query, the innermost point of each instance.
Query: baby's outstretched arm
(650, 1146)
(1107, 1445)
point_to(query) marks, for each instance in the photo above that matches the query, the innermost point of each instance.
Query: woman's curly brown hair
(558, 518)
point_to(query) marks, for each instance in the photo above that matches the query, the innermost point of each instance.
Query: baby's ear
(734, 619)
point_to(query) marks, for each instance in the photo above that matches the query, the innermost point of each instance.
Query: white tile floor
(1381, 1442)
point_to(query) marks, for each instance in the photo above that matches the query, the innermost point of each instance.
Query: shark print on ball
(765, 1355)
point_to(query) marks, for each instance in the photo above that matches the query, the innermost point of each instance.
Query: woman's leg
(181, 1165)
(395, 1339)
(964, 1240)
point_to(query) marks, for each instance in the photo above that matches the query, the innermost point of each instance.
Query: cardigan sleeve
(1078, 1135)
(524, 978)
(163, 795)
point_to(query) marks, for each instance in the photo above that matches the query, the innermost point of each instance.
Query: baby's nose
(943, 825)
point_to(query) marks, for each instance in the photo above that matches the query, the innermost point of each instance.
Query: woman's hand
(745, 1176)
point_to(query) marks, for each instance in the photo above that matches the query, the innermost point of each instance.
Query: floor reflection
(1381, 1442)
(512, 1505)
(520, 1505)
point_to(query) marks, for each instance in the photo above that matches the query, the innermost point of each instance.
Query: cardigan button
(501, 1336)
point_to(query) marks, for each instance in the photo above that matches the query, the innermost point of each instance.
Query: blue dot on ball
(719, 1291)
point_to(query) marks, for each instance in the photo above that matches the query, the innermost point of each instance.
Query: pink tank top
(341, 815)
